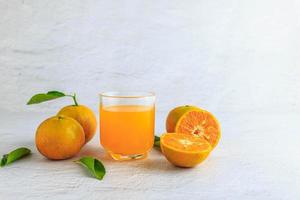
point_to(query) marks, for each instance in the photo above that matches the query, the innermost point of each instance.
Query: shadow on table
(155, 161)
(158, 164)
(97, 152)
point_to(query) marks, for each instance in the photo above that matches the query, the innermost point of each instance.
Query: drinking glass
(127, 121)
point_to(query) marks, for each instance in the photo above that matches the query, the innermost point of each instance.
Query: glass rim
(127, 94)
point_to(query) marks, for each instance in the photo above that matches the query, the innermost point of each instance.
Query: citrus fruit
(59, 137)
(184, 150)
(84, 116)
(200, 123)
(175, 114)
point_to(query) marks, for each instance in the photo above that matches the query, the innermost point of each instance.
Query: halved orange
(200, 123)
(175, 114)
(184, 150)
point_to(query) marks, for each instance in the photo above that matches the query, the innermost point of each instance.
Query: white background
(227, 56)
(238, 59)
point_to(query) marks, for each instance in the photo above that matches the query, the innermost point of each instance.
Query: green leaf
(56, 93)
(94, 166)
(157, 141)
(3, 160)
(14, 155)
(39, 98)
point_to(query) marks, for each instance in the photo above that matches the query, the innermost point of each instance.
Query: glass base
(121, 157)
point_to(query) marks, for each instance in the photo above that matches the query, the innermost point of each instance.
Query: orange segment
(200, 123)
(184, 150)
(183, 142)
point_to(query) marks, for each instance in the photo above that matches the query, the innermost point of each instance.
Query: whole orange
(175, 114)
(59, 137)
(84, 116)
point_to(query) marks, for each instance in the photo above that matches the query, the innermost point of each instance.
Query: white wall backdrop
(226, 56)
(240, 59)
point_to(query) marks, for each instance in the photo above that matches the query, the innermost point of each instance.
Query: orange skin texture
(59, 137)
(84, 116)
(175, 114)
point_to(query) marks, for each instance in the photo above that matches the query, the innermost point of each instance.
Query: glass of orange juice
(127, 124)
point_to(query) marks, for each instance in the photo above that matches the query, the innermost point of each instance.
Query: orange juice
(127, 129)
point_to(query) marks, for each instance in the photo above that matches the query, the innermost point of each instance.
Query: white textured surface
(227, 56)
(238, 59)
(257, 158)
